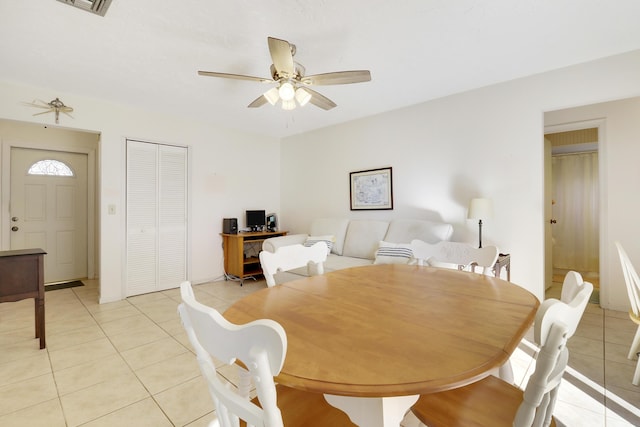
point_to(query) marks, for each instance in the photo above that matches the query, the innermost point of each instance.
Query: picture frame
(371, 189)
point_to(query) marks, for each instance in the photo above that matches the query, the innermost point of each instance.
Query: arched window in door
(50, 167)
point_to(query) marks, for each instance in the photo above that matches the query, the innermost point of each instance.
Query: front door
(49, 209)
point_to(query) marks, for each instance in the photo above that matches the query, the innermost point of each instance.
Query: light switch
(112, 209)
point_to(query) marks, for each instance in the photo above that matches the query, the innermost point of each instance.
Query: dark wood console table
(22, 277)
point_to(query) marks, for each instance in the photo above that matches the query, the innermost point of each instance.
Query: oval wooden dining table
(373, 338)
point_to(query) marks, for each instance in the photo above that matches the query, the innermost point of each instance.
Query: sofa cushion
(405, 230)
(393, 253)
(338, 262)
(363, 238)
(336, 227)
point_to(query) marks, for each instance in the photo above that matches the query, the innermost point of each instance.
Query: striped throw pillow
(328, 240)
(393, 253)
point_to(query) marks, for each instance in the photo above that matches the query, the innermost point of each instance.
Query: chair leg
(636, 375)
(635, 345)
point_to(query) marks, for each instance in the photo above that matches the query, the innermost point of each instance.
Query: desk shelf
(236, 247)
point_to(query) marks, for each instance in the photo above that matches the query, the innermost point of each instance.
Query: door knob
(14, 219)
(552, 221)
(14, 228)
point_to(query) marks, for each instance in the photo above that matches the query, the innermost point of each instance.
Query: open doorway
(572, 191)
(69, 200)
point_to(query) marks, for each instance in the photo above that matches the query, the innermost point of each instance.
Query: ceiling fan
(292, 83)
(53, 106)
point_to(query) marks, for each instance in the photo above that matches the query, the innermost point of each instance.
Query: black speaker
(230, 225)
(272, 222)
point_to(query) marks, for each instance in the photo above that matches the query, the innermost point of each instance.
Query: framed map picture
(371, 189)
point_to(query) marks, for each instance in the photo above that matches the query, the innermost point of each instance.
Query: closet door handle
(552, 221)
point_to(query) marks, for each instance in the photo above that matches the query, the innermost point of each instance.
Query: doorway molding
(603, 237)
(5, 178)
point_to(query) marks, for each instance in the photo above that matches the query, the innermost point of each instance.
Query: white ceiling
(146, 53)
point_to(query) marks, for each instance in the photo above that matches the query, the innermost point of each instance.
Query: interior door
(548, 219)
(156, 217)
(48, 207)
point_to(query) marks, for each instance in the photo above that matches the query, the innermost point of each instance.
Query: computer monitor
(256, 219)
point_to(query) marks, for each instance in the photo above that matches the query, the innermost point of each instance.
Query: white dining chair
(455, 255)
(261, 347)
(290, 257)
(494, 402)
(460, 256)
(633, 289)
(571, 285)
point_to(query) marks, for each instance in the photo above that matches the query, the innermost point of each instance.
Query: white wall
(619, 152)
(227, 176)
(487, 142)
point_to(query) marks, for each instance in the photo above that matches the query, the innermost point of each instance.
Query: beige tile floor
(128, 363)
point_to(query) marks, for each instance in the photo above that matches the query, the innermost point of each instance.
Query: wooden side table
(504, 261)
(22, 277)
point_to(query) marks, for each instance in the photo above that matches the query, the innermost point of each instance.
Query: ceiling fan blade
(234, 76)
(320, 100)
(338, 78)
(44, 112)
(66, 113)
(33, 104)
(282, 57)
(258, 102)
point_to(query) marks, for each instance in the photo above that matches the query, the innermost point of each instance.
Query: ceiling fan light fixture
(272, 95)
(290, 78)
(286, 91)
(288, 104)
(302, 96)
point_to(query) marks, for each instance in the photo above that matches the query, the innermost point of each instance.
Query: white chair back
(260, 345)
(570, 312)
(633, 289)
(293, 256)
(555, 323)
(631, 279)
(455, 255)
(571, 286)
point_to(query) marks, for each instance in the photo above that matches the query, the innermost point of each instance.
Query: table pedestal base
(373, 411)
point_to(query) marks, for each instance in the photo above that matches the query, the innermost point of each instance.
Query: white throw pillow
(328, 240)
(393, 253)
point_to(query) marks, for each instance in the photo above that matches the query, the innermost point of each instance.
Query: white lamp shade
(287, 91)
(480, 209)
(288, 104)
(272, 95)
(302, 96)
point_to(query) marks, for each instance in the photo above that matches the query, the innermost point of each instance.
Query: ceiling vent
(99, 7)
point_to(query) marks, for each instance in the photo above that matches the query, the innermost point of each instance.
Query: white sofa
(355, 241)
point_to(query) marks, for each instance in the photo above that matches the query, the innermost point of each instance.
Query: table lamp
(480, 209)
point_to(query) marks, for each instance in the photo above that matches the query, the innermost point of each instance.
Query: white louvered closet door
(156, 217)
